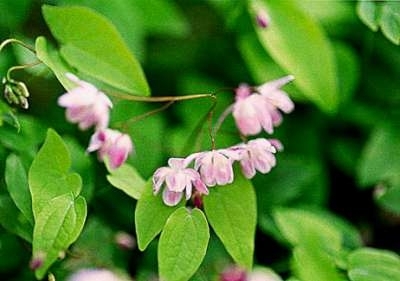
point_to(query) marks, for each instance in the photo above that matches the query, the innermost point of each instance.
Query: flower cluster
(212, 168)
(87, 106)
(254, 109)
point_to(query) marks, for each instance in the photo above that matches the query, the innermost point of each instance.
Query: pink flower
(113, 144)
(86, 105)
(215, 167)
(259, 109)
(94, 275)
(257, 155)
(177, 179)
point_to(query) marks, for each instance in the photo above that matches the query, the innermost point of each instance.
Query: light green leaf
(151, 215)
(95, 48)
(368, 13)
(301, 48)
(52, 58)
(231, 211)
(298, 225)
(183, 244)
(311, 263)
(261, 65)
(48, 175)
(13, 220)
(127, 179)
(369, 264)
(58, 225)
(390, 21)
(380, 158)
(17, 184)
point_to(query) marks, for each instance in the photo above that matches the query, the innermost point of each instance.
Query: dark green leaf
(17, 184)
(58, 225)
(291, 40)
(105, 58)
(13, 220)
(231, 211)
(151, 215)
(183, 244)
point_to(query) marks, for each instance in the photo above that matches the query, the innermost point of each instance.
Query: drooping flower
(86, 105)
(113, 144)
(176, 180)
(215, 167)
(258, 108)
(256, 155)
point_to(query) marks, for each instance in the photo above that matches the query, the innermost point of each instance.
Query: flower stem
(13, 40)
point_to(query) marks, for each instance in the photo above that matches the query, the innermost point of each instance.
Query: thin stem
(221, 119)
(144, 115)
(210, 128)
(13, 40)
(160, 99)
(19, 67)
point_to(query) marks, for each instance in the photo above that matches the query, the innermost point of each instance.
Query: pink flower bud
(112, 144)
(259, 110)
(86, 105)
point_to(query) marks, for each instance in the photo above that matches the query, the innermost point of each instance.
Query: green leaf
(173, 22)
(369, 264)
(183, 244)
(368, 13)
(231, 211)
(300, 47)
(95, 48)
(261, 65)
(13, 220)
(17, 185)
(151, 215)
(297, 226)
(127, 179)
(52, 58)
(48, 175)
(390, 21)
(380, 158)
(311, 263)
(388, 195)
(58, 225)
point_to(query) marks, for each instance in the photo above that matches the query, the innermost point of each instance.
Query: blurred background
(342, 142)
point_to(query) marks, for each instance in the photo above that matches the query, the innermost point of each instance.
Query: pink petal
(171, 198)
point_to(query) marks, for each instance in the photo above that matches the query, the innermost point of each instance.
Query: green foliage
(17, 185)
(231, 211)
(183, 244)
(367, 264)
(151, 214)
(58, 210)
(341, 141)
(127, 179)
(382, 14)
(291, 41)
(105, 58)
(52, 58)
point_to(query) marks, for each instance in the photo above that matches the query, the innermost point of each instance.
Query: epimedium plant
(201, 194)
